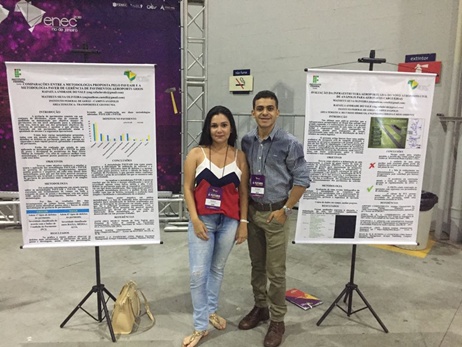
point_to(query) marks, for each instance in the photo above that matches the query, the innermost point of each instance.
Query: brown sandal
(193, 340)
(218, 322)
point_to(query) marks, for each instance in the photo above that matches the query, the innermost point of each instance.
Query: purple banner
(101, 31)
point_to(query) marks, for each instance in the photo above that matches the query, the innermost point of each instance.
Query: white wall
(277, 40)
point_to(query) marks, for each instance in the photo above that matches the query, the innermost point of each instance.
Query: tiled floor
(417, 298)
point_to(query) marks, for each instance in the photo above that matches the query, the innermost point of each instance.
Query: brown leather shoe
(257, 315)
(273, 337)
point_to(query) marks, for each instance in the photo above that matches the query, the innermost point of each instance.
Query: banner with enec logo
(104, 31)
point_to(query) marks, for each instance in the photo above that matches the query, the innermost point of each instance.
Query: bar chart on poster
(98, 133)
(109, 141)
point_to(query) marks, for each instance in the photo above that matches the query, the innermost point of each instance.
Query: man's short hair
(265, 94)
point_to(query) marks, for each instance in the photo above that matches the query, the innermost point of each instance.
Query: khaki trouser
(267, 248)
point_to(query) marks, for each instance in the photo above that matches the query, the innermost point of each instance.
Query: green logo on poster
(315, 79)
(130, 75)
(413, 84)
(17, 73)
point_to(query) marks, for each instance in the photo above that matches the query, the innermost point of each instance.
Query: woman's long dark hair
(206, 138)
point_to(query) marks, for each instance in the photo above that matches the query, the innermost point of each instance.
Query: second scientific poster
(365, 140)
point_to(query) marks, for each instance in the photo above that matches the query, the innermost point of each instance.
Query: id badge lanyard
(257, 181)
(215, 194)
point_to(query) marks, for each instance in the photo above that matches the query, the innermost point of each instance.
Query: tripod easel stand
(351, 286)
(99, 289)
(348, 293)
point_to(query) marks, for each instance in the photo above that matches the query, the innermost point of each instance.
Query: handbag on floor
(127, 310)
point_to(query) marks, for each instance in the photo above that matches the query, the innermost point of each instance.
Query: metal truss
(194, 71)
(194, 98)
(9, 209)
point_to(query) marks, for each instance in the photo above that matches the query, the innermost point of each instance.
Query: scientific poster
(366, 138)
(85, 149)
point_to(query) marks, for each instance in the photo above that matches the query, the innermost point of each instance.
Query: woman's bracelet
(244, 221)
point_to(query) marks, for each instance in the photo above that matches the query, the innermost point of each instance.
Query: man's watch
(287, 210)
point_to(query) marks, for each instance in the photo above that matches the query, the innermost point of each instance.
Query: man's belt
(267, 207)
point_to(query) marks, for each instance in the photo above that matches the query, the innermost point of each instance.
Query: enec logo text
(60, 22)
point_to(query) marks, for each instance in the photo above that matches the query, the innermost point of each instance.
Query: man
(279, 177)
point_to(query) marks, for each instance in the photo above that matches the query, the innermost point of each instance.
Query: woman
(215, 190)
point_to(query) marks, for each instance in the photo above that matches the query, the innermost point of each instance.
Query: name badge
(213, 198)
(257, 186)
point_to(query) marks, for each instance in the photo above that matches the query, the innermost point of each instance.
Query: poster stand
(99, 289)
(351, 286)
(348, 293)
(85, 51)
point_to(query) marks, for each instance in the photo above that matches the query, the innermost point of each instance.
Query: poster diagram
(114, 139)
(387, 132)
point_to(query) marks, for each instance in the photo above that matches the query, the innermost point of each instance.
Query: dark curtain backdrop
(137, 31)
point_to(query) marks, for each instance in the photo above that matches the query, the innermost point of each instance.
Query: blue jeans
(207, 260)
